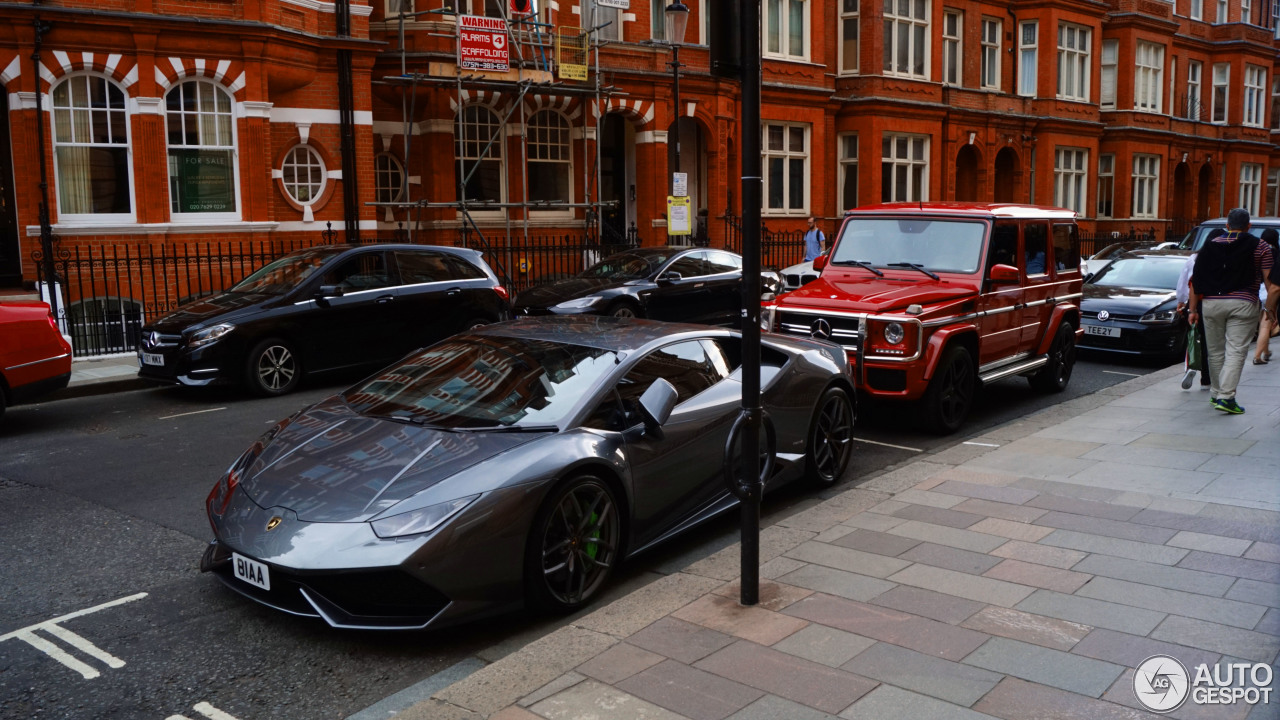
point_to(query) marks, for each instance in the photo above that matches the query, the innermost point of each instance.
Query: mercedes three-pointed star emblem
(820, 329)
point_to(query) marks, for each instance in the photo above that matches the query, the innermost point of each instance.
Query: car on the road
(930, 300)
(1129, 307)
(35, 359)
(1095, 262)
(798, 275)
(678, 284)
(322, 309)
(519, 462)
(1200, 233)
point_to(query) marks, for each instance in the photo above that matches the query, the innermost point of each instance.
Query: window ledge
(171, 228)
(791, 60)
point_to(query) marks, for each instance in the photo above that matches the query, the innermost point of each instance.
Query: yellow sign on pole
(678, 216)
(572, 53)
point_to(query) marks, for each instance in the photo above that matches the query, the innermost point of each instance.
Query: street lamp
(677, 21)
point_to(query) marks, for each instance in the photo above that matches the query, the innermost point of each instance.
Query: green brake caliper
(593, 548)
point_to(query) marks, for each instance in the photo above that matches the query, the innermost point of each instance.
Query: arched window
(550, 157)
(477, 156)
(388, 178)
(303, 175)
(201, 136)
(91, 150)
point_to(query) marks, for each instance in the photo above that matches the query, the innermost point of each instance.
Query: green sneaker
(1229, 406)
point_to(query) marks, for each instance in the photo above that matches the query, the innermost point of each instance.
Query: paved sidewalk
(99, 375)
(1022, 574)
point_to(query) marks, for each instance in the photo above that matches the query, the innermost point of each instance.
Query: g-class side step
(1017, 368)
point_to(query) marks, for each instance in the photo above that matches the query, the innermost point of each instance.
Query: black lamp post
(677, 21)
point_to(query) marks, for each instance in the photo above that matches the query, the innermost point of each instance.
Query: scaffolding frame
(526, 32)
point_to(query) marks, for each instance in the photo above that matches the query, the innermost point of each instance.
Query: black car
(322, 309)
(1130, 307)
(660, 283)
(1197, 236)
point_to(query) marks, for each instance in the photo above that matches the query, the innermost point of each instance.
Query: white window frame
(1028, 57)
(1107, 174)
(1275, 18)
(233, 148)
(992, 32)
(846, 162)
(1070, 173)
(392, 10)
(1146, 186)
(497, 152)
(1197, 9)
(1273, 193)
(953, 47)
(848, 15)
(611, 15)
(385, 167)
(567, 160)
(1220, 18)
(1194, 109)
(892, 162)
(1221, 80)
(1110, 74)
(919, 41)
(786, 154)
(1074, 51)
(311, 154)
(1246, 12)
(1250, 187)
(1148, 77)
(1255, 95)
(783, 11)
(1275, 98)
(1173, 91)
(52, 109)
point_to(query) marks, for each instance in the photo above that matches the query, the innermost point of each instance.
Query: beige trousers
(1228, 330)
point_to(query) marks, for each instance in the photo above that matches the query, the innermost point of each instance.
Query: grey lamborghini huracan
(518, 463)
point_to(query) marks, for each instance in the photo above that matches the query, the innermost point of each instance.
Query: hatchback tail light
(502, 292)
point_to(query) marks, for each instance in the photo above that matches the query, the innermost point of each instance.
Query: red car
(34, 357)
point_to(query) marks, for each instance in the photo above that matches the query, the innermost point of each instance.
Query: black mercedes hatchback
(323, 309)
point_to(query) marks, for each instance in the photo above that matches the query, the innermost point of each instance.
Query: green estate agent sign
(202, 181)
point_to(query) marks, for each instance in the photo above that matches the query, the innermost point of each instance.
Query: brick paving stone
(1010, 529)
(1039, 554)
(890, 703)
(927, 603)
(879, 543)
(1015, 699)
(619, 663)
(943, 679)
(927, 497)
(1228, 612)
(942, 535)
(1265, 711)
(1130, 650)
(1164, 576)
(788, 676)
(769, 595)
(772, 707)
(1227, 565)
(888, 507)
(1122, 693)
(1252, 591)
(1174, 459)
(1088, 611)
(873, 521)
(1004, 511)
(1247, 644)
(1017, 625)
(837, 582)
(1106, 527)
(978, 476)
(726, 615)
(514, 713)
(1269, 624)
(826, 645)
(832, 534)
(1041, 576)
(692, 692)
(971, 587)
(891, 626)
(1047, 667)
(1209, 543)
(950, 558)
(1267, 552)
(843, 558)
(938, 516)
(1146, 552)
(832, 511)
(1091, 508)
(1209, 525)
(591, 699)
(680, 640)
(1217, 446)
(778, 567)
(1008, 495)
(563, 682)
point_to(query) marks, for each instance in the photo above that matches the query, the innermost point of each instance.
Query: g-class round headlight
(894, 334)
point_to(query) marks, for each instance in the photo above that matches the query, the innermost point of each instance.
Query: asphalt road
(101, 500)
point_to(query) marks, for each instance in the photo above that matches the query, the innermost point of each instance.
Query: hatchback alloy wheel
(273, 368)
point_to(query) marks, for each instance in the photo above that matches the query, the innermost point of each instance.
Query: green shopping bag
(1195, 351)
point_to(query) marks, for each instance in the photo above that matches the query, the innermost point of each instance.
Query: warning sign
(483, 43)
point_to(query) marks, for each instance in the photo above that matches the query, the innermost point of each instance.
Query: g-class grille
(843, 328)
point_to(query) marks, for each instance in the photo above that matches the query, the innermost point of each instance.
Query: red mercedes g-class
(931, 299)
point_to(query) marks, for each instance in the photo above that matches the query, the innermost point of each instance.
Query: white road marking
(1117, 372)
(211, 712)
(968, 442)
(196, 412)
(88, 672)
(884, 444)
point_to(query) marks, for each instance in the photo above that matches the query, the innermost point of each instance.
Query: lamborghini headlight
(421, 520)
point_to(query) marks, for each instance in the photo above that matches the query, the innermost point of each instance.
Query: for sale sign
(482, 43)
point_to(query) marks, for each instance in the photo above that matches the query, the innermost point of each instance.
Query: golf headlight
(1159, 317)
(579, 303)
(421, 520)
(894, 334)
(209, 334)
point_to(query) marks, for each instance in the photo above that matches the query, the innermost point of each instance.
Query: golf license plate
(152, 359)
(251, 571)
(1102, 330)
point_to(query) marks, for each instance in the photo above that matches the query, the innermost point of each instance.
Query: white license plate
(152, 359)
(251, 571)
(1102, 330)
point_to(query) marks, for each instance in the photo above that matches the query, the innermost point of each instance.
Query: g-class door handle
(452, 291)
(384, 299)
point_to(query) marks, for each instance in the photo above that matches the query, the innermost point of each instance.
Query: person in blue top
(815, 243)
